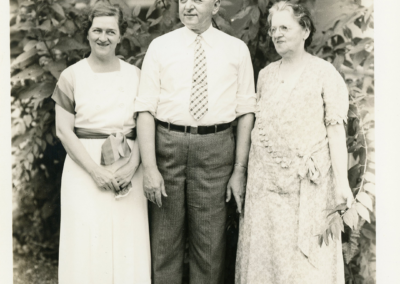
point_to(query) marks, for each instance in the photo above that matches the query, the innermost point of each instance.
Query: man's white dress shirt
(166, 78)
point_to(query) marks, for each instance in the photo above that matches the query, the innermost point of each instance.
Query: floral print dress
(290, 180)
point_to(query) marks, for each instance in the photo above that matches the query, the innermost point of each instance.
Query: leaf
(45, 26)
(370, 177)
(368, 234)
(255, 14)
(30, 44)
(27, 119)
(24, 26)
(27, 165)
(353, 111)
(49, 138)
(361, 45)
(365, 200)
(339, 59)
(136, 27)
(371, 134)
(353, 174)
(339, 208)
(242, 13)
(335, 228)
(350, 249)
(370, 187)
(358, 58)
(320, 240)
(368, 62)
(351, 218)
(226, 3)
(30, 157)
(47, 210)
(26, 4)
(136, 10)
(341, 225)
(42, 90)
(151, 9)
(253, 31)
(55, 68)
(371, 156)
(32, 72)
(68, 27)
(363, 212)
(156, 21)
(347, 32)
(58, 9)
(55, 22)
(68, 43)
(25, 59)
(326, 236)
(263, 4)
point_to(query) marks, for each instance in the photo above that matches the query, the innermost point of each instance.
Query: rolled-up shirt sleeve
(149, 88)
(246, 96)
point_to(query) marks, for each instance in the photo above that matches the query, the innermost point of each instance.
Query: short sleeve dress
(290, 180)
(103, 240)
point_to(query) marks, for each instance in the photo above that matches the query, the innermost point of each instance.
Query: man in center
(195, 82)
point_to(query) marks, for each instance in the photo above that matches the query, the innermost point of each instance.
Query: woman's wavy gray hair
(299, 12)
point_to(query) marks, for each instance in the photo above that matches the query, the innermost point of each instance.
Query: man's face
(196, 14)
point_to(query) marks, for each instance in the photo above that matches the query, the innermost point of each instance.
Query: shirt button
(121, 89)
(121, 105)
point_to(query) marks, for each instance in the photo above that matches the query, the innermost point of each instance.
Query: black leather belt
(193, 129)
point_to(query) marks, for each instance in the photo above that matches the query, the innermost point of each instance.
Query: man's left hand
(237, 187)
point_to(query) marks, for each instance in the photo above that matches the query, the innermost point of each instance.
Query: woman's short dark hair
(299, 12)
(102, 9)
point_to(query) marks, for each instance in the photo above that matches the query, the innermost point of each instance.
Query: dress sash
(309, 222)
(114, 148)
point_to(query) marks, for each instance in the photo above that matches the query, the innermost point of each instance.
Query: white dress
(103, 240)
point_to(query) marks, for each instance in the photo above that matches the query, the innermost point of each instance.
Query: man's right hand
(153, 185)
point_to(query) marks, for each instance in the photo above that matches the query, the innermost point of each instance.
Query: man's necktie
(199, 97)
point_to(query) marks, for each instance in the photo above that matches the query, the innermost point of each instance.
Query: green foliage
(46, 37)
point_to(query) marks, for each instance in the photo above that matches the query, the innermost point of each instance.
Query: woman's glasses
(273, 30)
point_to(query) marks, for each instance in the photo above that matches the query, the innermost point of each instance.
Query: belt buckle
(194, 130)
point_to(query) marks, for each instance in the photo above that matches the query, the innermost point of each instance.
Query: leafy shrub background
(46, 37)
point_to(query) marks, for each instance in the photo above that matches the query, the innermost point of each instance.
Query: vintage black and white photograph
(193, 141)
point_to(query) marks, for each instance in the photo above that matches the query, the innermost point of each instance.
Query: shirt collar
(209, 36)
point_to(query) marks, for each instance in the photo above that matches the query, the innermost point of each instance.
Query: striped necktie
(199, 97)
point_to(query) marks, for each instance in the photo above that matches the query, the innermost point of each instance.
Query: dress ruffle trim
(335, 120)
(277, 156)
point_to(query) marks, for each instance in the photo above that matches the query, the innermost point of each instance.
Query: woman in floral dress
(298, 162)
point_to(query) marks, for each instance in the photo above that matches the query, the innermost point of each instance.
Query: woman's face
(104, 36)
(287, 34)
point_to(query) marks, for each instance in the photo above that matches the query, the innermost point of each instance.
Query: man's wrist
(239, 168)
(149, 167)
(240, 165)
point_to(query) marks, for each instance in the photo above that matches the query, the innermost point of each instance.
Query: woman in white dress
(104, 237)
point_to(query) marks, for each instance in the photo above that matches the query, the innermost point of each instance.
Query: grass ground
(28, 270)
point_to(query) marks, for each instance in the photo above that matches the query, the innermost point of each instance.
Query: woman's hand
(124, 175)
(104, 179)
(344, 195)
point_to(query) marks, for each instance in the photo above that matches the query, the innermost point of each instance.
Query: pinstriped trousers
(196, 170)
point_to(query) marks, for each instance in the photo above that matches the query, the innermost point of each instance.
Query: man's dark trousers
(196, 169)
